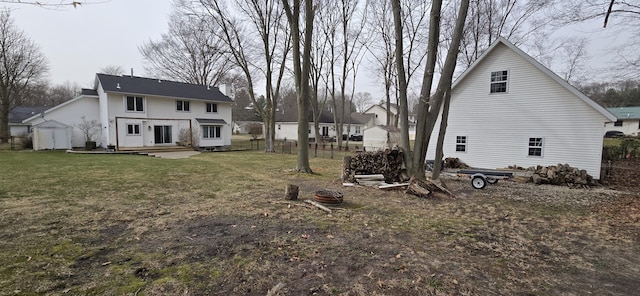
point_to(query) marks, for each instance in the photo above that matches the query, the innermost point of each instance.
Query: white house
(378, 114)
(508, 109)
(287, 125)
(628, 120)
(17, 115)
(135, 112)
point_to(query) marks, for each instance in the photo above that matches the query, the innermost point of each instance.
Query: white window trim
(207, 105)
(506, 88)
(134, 129)
(218, 135)
(183, 101)
(541, 147)
(144, 102)
(466, 144)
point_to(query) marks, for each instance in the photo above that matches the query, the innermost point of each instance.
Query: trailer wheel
(478, 182)
(492, 180)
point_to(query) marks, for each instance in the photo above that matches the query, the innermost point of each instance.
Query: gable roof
(539, 66)
(625, 112)
(20, 113)
(156, 87)
(80, 97)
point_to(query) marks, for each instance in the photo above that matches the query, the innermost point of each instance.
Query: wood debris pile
(388, 163)
(455, 163)
(562, 174)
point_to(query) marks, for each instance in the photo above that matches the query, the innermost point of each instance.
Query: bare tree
(190, 52)
(54, 4)
(113, 70)
(383, 51)
(21, 65)
(258, 58)
(361, 100)
(621, 18)
(301, 70)
(430, 104)
(512, 19)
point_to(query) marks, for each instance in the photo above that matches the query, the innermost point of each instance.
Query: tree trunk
(291, 192)
(429, 114)
(437, 165)
(403, 112)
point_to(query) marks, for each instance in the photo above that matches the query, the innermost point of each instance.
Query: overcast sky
(79, 42)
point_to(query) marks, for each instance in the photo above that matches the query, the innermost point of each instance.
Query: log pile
(455, 163)
(388, 163)
(562, 174)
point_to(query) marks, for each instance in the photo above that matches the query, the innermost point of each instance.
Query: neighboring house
(508, 109)
(628, 120)
(135, 112)
(17, 115)
(379, 117)
(287, 125)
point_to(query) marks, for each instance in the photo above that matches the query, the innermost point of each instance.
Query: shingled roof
(162, 88)
(20, 113)
(325, 117)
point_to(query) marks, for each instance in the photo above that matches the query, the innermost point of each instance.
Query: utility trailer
(480, 177)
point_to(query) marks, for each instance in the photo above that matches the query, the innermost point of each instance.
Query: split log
(346, 168)
(319, 206)
(374, 177)
(426, 189)
(291, 192)
(393, 186)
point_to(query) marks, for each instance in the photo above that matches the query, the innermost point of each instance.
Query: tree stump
(346, 168)
(291, 192)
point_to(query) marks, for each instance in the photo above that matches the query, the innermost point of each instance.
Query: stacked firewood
(389, 163)
(562, 174)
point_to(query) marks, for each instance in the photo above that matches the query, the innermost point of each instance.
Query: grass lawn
(217, 224)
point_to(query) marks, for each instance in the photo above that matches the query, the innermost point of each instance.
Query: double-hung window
(182, 106)
(461, 143)
(133, 129)
(135, 104)
(535, 146)
(211, 131)
(499, 81)
(212, 108)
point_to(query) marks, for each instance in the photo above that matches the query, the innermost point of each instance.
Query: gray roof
(325, 117)
(88, 92)
(162, 88)
(209, 120)
(20, 113)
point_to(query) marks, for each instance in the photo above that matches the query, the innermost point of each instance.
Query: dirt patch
(510, 239)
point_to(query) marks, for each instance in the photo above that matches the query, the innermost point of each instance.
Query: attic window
(499, 81)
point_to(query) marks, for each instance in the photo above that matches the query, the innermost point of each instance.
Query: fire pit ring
(328, 196)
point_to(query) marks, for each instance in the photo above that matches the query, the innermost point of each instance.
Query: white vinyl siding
(536, 104)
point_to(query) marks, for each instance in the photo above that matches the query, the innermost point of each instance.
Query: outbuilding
(380, 137)
(51, 135)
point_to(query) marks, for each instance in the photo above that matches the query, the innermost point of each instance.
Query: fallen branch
(319, 206)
